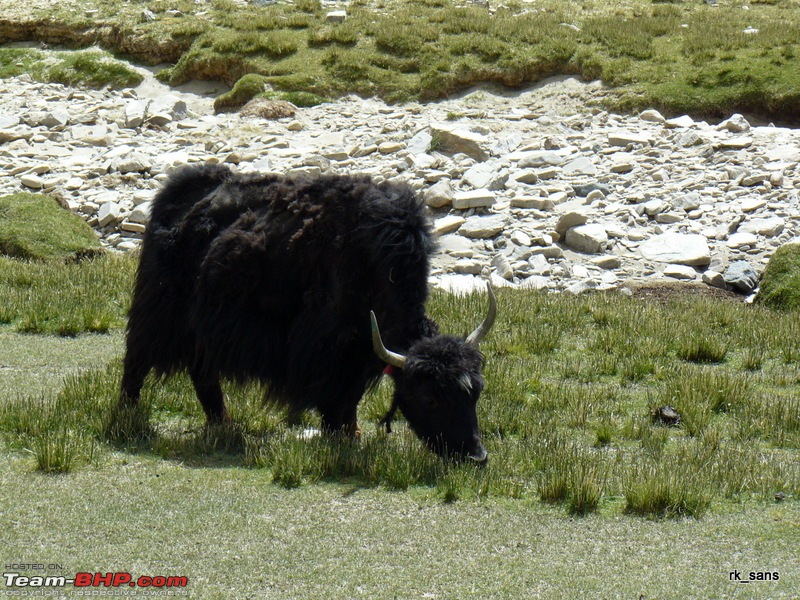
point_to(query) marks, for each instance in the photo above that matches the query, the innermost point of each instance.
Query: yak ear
(465, 382)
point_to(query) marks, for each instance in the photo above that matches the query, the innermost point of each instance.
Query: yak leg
(341, 415)
(209, 393)
(134, 372)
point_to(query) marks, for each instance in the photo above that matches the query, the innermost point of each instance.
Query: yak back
(273, 278)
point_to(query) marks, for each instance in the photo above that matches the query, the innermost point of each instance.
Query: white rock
(714, 279)
(580, 166)
(739, 239)
(447, 224)
(678, 248)
(680, 272)
(483, 227)
(454, 139)
(108, 213)
(753, 204)
(769, 227)
(439, 194)
(538, 158)
(625, 138)
(32, 181)
(336, 16)
(589, 239)
(473, 199)
(652, 116)
(681, 122)
(570, 219)
(536, 202)
(141, 213)
(502, 267)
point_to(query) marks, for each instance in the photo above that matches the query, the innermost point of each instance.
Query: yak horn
(476, 337)
(387, 356)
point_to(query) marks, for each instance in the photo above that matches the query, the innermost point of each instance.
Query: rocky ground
(534, 186)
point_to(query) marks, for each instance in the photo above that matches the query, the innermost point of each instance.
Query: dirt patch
(666, 291)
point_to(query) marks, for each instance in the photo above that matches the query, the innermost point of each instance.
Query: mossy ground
(680, 56)
(780, 283)
(35, 227)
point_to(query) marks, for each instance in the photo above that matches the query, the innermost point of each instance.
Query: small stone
(625, 138)
(570, 219)
(447, 224)
(769, 227)
(520, 238)
(539, 158)
(589, 239)
(502, 267)
(741, 276)
(483, 227)
(141, 213)
(739, 239)
(336, 16)
(473, 199)
(390, 147)
(536, 202)
(132, 227)
(459, 139)
(108, 213)
(467, 266)
(652, 116)
(32, 181)
(735, 124)
(681, 122)
(714, 279)
(678, 248)
(753, 204)
(607, 262)
(579, 166)
(439, 194)
(680, 272)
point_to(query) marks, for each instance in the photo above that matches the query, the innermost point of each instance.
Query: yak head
(437, 385)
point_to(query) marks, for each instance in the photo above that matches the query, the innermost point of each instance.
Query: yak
(285, 280)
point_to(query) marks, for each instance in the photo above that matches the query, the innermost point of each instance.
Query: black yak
(272, 278)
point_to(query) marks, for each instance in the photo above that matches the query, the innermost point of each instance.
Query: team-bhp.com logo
(86, 580)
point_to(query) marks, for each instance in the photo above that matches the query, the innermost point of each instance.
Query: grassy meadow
(577, 461)
(678, 56)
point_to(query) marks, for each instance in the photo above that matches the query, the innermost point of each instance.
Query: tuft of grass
(244, 90)
(35, 227)
(780, 283)
(664, 490)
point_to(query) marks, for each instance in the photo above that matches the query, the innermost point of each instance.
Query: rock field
(533, 186)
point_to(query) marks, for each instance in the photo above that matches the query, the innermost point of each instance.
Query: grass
(563, 419)
(780, 284)
(24, 217)
(65, 299)
(575, 460)
(92, 68)
(680, 56)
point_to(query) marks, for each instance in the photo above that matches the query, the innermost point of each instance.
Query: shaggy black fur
(268, 278)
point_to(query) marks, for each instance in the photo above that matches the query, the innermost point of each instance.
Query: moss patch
(780, 284)
(247, 88)
(34, 226)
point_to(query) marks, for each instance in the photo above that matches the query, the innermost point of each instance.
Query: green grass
(681, 56)
(65, 298)
(34, 226)
(576, 462)
(90, 68)
(563, 421)
(780, 284)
